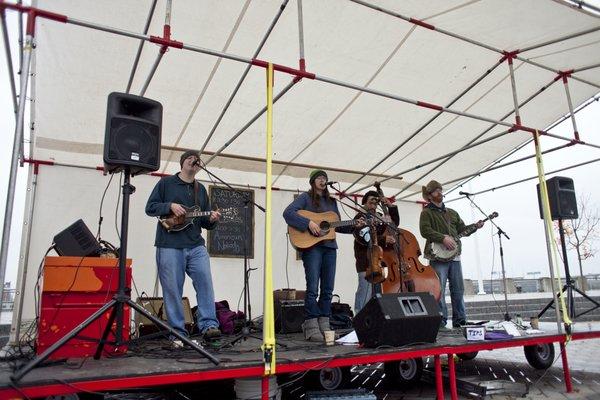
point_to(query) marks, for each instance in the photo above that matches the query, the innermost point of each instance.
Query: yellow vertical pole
(268, 313)
(552, 247)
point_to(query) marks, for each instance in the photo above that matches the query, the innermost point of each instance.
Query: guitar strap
(196, 189)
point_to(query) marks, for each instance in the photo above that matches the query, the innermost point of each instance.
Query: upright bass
(410, 275)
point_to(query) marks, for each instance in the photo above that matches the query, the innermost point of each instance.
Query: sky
(525, 252)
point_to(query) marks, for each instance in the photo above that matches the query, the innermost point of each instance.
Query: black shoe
(459, 324)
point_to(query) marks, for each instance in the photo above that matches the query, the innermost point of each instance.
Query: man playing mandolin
(441, 225)
(184, 252)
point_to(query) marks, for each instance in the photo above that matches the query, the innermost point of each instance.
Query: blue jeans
(319, 270)
(173, 264)
(451, 272)
(363, 293)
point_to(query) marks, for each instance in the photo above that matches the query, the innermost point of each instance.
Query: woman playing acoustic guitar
(319, 260)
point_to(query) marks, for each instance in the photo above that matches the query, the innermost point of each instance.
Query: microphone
(465, 193)
(330, 183)
(196, 163)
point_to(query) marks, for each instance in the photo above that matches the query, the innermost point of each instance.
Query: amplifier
(155, 306)
(289, 316)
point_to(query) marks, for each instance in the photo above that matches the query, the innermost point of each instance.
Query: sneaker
(178, 344)
(212, 333)
(444, 328)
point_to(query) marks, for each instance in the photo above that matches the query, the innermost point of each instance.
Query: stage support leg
(439, 378)
(566, 371)
(452, 377)
(265, 387)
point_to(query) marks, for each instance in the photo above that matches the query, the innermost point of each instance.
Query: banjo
(441, 253)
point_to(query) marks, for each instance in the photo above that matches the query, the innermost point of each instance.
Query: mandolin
(441, 253)
(175, 223)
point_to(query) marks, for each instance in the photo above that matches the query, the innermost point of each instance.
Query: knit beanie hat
(315, 173)
(186, 154)
(430, 188)
(369, 194)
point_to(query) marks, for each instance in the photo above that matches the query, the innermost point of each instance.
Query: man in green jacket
(439, 224)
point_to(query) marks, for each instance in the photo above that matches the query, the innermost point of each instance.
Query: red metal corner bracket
(37, 163)
(299, 74)
(564, 75)
(509, 55)
(32, 14)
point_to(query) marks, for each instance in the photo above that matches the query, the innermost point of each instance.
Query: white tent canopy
(315, 123)
(450, 55)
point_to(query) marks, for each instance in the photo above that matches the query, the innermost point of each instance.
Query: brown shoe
(212, 333)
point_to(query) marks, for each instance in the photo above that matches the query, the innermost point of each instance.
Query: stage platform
(155, 363)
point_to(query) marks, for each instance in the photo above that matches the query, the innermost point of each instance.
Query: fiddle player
(440, 224)
(361, 245)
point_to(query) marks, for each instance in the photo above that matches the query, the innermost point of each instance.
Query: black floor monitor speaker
(76, 240)
(289, 316)
(561, 194)
(398, 319)
(133, 134)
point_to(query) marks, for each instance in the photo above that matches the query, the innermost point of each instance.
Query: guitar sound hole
(324, 225)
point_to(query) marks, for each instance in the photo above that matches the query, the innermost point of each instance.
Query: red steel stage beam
(258, 369)
(244, 74)
(471, 41)
(141, 46)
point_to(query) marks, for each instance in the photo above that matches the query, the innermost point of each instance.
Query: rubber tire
(404, 373)
(540, 356)
(468, 356)
(330, 378)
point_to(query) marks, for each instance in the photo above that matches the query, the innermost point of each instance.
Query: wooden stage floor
(154, 363)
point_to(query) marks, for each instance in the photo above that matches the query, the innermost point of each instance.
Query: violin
(375, 272)
(390, 257)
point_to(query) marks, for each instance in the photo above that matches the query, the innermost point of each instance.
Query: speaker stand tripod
(569, 286)
(116, 305)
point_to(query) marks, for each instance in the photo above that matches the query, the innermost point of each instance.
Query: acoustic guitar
(441, 253)
(327, 221)
(176, 223)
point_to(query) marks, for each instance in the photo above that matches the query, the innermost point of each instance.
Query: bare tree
(582, 233)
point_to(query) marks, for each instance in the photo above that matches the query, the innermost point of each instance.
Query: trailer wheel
(330, 378)
(405, 373)
(468, 356)
(540, 356)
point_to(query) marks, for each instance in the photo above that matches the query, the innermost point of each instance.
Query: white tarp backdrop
(315, 123)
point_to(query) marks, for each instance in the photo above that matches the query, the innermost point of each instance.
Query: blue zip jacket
(172, 189)
(303, 202)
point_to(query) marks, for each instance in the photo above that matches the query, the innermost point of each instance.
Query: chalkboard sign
(227, 239)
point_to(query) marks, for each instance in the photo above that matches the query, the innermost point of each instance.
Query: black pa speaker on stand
(562, 197)
(397, 319)
(563, 205)
(133, 134)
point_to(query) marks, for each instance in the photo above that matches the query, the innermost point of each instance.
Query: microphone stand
(248, 325)
(500, 233)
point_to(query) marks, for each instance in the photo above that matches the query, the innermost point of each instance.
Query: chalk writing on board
(227, 239)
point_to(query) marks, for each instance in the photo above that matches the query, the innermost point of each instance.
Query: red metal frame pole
(264, 385)
(140, 47)
(565, 363)
(452, 377)
(439, 378)
(163, 49)
(509, 58)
